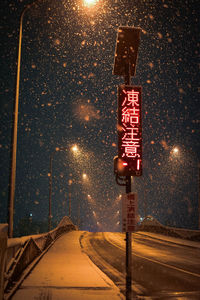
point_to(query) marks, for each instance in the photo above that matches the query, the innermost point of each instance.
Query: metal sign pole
(125, 65)
(128, 251)
(127, 80)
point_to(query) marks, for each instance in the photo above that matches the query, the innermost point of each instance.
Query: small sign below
(129, 212)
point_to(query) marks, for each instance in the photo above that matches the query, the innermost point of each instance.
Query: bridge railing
(21, 252)
(152, 225)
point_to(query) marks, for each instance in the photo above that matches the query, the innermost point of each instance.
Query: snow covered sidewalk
(65, 272)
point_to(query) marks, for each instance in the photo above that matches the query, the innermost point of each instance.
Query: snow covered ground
(65, 272)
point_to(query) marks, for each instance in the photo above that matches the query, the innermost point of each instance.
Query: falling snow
(68, 95)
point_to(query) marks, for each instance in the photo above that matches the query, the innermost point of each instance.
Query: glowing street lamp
(90, 3)
(84, 176)
(175, 152)
(50, 185)
(74, 148)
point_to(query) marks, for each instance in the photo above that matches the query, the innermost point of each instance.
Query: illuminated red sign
(129, 131)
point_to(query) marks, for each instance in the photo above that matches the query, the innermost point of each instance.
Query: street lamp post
(50, 189)
(74, 149)
(175, 151)
(50, 184)
(15, 124)
(14, 134)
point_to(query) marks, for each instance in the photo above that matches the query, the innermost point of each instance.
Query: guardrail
(21, 252)
(152, 225)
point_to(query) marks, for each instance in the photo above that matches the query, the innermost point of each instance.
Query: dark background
(68, 96)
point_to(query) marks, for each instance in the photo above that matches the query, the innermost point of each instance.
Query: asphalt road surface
(161, 269)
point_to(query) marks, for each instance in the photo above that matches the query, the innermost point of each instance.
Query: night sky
(68, 96)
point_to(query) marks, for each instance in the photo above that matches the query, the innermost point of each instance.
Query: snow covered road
(163, 267)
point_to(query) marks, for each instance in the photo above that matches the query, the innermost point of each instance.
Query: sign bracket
(117, 177)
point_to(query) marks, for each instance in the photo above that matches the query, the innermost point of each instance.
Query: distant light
(70, 181)
(30, 214)
(74, 148)
(125, 164)
(84, 176)
(175, 150)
